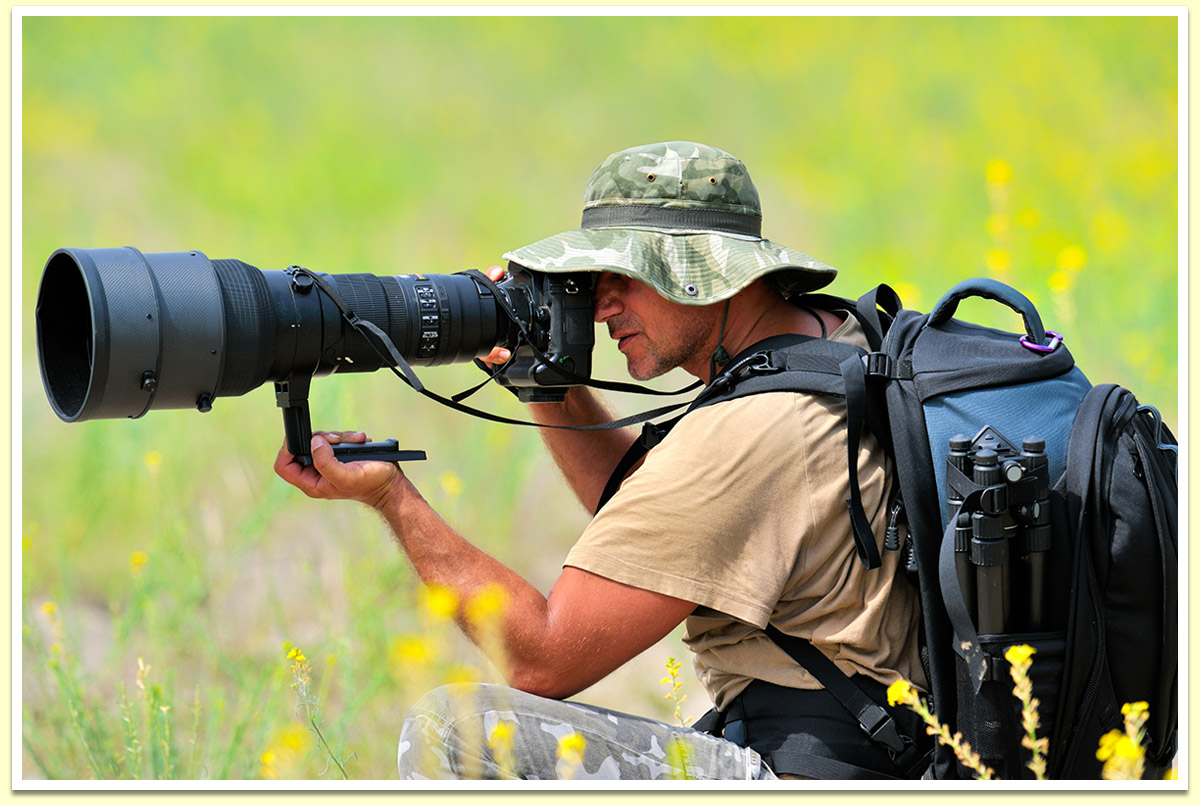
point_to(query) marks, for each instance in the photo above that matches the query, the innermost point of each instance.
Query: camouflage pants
(470, 731)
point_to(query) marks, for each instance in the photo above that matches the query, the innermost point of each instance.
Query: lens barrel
(120, 333)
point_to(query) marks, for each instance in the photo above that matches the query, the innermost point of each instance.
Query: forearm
(508, 618)
(586, 458)
(553, 645)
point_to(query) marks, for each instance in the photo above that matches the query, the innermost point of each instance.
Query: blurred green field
(913, 151)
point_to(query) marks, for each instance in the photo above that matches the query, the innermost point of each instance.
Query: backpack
(1014, 475)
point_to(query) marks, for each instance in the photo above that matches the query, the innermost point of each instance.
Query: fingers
(342, 436)
(497, 356)
(329, 478)
(306, 479)
(369, 482)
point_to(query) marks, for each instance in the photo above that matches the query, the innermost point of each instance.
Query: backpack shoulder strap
(875, 322)
(652, 434)
(786, 363)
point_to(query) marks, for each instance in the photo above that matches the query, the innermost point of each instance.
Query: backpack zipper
(1089, 693)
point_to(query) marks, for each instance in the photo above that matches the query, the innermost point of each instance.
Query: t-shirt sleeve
(711, 515)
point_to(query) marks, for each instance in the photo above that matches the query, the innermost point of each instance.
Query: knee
(438, 727)
(458, 702)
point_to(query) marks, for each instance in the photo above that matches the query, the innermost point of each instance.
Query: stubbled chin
(643, 370)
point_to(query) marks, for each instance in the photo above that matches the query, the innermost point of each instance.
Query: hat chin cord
(719, 355)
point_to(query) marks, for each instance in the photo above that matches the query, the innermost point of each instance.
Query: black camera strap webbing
(406, 373)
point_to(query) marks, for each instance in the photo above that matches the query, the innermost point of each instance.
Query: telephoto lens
(120, 333)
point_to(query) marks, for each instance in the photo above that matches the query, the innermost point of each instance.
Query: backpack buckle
(882, 729)
(878, 364)
(757, 364)
(653, 434)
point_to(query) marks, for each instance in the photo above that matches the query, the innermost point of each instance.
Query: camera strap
(400, 367)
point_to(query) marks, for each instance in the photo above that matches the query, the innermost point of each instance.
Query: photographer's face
(653, 333)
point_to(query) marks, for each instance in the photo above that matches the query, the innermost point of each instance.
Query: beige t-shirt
(742, 509)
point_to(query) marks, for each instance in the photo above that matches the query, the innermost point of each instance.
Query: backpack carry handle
(989, 289)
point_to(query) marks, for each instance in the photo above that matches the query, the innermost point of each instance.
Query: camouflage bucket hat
(681, 216)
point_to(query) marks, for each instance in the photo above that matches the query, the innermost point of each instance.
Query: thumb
(322, 451)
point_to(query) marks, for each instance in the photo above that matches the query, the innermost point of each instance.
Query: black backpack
(1038, 511)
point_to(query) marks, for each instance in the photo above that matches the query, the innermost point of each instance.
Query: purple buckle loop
(1055, 340)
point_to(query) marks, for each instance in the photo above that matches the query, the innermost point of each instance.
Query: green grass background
(913, 151)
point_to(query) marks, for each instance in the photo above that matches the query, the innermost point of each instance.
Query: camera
(121, 333)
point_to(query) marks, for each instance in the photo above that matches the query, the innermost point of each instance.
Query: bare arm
(586, 458)
(552, 645)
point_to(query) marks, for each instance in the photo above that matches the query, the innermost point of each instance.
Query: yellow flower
(998, 260)
(571, 747)
(899, 692)
(287, 748)
(462, 673)
(1061, 281)
(438, 600)
(1116, 743)
(909, 294)
(1018, 655)
(153, 459)
(1072, 258)
(137, 560)
(997, 225)
(488, 604)
(998, 172)
(295, 737)
(407, 650)
(1134, 708)
(451, 484)
(50, 608)
(1128, 749)
(502, 734)
(297, 655)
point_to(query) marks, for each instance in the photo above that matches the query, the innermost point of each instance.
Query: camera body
(559, 313)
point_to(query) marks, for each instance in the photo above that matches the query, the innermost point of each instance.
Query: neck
(754, 314)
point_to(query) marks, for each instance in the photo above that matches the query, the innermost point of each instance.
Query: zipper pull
(891, 540)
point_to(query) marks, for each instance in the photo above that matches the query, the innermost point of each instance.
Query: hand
(370, 482)
(499, 354)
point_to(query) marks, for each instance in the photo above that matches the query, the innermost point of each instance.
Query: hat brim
(691, 268)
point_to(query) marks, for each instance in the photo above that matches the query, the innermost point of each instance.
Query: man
(736, 520)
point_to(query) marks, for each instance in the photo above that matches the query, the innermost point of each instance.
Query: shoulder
(751, 414)
(849, 331)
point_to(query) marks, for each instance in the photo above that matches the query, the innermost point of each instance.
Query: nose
(607, 296)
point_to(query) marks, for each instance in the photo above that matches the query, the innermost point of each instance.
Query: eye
(712, 179)
(649, 177)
